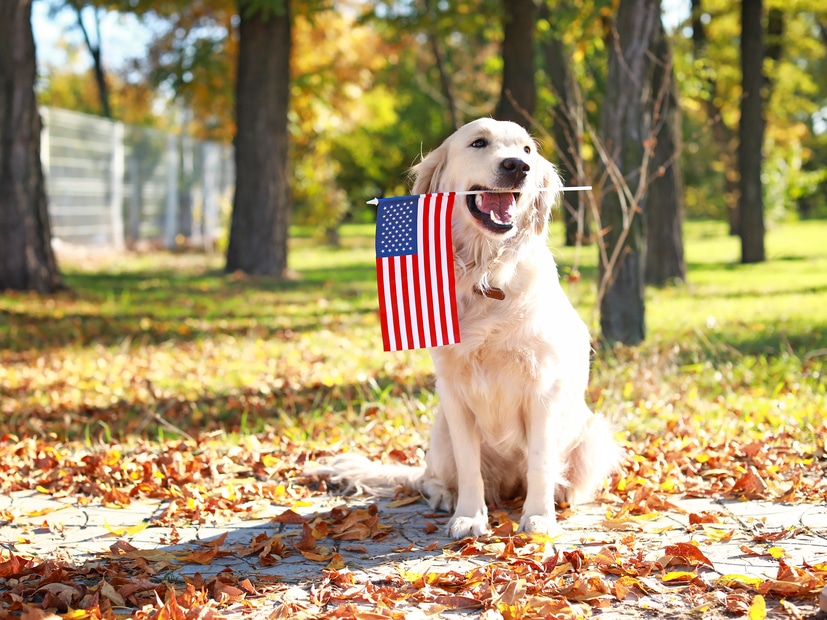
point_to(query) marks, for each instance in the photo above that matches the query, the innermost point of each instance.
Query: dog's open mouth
(494, 210)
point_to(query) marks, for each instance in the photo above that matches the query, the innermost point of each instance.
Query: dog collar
(491, 293)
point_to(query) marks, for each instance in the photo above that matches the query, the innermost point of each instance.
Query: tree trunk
(664, 208)
(722, 134)
(624, 126)
(261, 208)
(444, 74)
(567, 129)
(95, 52)
(518, 96)
(27, 261)
(751, 134)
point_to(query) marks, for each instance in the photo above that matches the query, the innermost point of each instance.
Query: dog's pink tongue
(499, 205)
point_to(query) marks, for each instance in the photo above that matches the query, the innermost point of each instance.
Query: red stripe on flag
(393, 319)
(439, 260)
(381, 285)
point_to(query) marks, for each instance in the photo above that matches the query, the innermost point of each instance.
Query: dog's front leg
(544, 470)
(470, 515)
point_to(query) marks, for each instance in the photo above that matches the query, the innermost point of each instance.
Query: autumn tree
(567, 121)
(665, 203)
(261, 207)
(751, 134)
(94, 45)
(26, 258)
(624, 129)
(518, 94)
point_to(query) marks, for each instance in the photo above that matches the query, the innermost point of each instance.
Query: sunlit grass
(737, 349)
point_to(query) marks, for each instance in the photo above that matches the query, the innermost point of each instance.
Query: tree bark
(665, 205)
(624, 126)
(722, 134)
(444, 75)
(518, 96)
(261, 208)
(27, 261)
(95, 52)
(567, 130)
(751, 133)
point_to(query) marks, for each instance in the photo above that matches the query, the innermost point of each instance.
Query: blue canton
(396, 226)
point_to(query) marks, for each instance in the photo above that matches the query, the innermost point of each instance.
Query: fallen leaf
(757, 609)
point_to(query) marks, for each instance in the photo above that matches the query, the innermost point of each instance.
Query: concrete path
(750, 539)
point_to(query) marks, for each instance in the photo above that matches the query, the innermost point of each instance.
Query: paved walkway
(406, 540)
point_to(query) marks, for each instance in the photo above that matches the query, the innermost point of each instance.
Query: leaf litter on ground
(211, 416)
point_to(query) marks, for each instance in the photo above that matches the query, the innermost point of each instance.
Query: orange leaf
(689, 552)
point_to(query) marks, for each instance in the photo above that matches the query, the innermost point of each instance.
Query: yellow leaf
(268, 460)
(127, 531)
(667, 485)
(337, 562)
(42, 489)
(717, 534)
(738, 580)
(758, 608)
(408, 575)
(777, 552)
(679, 575)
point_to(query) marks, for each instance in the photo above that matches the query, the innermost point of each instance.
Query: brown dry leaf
(586, 588)
(110, 593)
(737, 602)
(59, 595)
(35, 613)
(404, 501)
(289, 517)
(751, 485)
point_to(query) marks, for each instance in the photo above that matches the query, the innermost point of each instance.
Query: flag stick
(578, 188)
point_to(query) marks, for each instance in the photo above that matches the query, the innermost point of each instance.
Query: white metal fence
(117, 185)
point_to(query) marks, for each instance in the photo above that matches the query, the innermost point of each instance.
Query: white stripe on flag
(449, 310)
(411, 309)
(434, 301)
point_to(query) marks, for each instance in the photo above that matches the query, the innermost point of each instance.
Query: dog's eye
(479, 143)
(527, 149)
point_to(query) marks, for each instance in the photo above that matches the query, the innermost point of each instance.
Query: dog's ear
(428, 173)
(549, 180)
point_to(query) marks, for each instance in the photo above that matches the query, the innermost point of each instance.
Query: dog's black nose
(515, 165)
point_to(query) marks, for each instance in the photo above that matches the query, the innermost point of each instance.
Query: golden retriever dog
(512, 420)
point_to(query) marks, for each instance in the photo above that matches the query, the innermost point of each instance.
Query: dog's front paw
(540, 524)
(439, 497)
(460, 527)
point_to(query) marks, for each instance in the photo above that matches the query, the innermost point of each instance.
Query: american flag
(415, 272)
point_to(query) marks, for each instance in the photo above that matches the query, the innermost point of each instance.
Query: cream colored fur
(512, 419)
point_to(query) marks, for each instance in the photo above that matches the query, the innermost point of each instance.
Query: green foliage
(795, 89)
(367, 96)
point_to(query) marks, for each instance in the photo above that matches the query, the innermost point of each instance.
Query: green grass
(737, 349)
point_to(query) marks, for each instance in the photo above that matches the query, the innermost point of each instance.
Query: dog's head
(501, 159)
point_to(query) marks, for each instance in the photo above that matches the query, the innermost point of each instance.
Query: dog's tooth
(478, 200)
